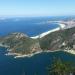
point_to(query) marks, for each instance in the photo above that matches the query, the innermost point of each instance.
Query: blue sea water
(29, 26)
(36, 64)
(29, 66)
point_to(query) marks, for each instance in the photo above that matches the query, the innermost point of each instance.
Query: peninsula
(21, 45)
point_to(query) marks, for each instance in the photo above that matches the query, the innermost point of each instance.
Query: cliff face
(22, 44)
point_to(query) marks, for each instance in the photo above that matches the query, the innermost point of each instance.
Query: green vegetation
(21, 43)
(60, 67)
(56, 39)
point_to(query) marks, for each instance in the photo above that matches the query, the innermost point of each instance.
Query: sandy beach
(61, 26)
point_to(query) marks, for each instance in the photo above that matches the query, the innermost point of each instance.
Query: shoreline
(46, 33)
(61, 26)
(17, 55)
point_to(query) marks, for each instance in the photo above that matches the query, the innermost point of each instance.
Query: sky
(37, 7)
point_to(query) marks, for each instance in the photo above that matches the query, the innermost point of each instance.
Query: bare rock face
(19, 35)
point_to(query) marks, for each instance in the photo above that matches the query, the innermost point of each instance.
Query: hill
(21, 44)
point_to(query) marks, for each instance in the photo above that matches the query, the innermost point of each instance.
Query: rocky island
(21, 45)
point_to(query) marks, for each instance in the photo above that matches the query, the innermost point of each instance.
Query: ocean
(29, 26)
(36, 64)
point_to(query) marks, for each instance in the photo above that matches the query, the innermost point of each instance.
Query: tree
(60, 67)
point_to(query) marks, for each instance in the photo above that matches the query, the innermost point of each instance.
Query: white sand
(61, 26)
(45, 33)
